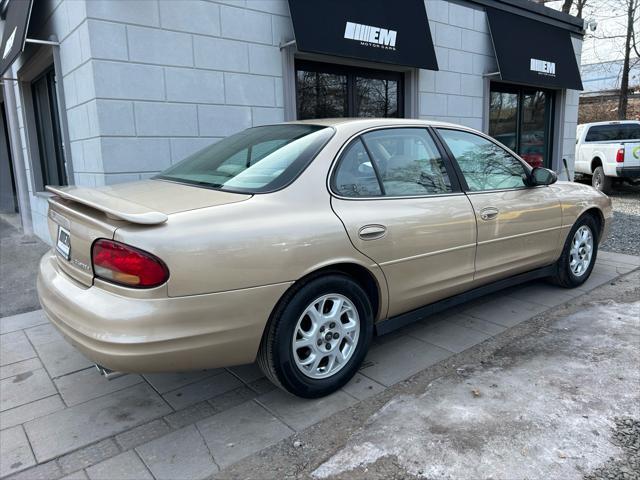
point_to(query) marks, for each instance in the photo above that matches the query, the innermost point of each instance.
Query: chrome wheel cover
(581, 251)
(326, 336)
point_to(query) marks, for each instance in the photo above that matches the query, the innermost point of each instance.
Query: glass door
(521, 118)
(326, 90)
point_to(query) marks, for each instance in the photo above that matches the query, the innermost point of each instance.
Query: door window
(484, 165)
(392, 162)
(324, 91)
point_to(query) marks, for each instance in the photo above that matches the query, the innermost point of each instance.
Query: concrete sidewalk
(59, 417)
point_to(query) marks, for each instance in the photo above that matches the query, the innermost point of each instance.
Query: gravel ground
(626, 435)
(624, 236)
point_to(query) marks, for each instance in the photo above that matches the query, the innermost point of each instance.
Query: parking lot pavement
(58, 417)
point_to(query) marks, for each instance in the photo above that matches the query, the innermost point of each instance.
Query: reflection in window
(484, 165)
(503, 118)
(376, 97)
(321, 95)
(520, 118)
(355, 176)
(408, 162)
(327, 90)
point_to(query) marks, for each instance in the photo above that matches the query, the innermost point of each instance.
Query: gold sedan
(294, 244)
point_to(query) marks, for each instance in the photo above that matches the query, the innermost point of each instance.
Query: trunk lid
(78, 216)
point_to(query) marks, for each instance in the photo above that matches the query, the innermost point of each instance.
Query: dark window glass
(503, 118)
(520, 119)
(533, 130)
(376, 98)
(45, 104)
(355, 175)
(327, 90)
(610, 133)
(408, 162)
(256, 160)
(321, 95)
(484, 165)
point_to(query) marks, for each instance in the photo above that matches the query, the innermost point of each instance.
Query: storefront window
(326, 90)
(520, 118)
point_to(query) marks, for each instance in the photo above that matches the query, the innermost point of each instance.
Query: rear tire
(318, 336)
(579, 253)
(600, 181)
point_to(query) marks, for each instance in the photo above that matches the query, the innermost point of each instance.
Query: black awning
(374, 30)
(16, 23)
(533, 53)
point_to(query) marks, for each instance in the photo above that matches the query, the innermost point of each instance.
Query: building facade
(120, 90)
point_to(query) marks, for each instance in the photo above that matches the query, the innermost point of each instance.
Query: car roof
(369, 122)
(611, 122)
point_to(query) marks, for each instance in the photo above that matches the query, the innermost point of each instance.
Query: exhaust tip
(108, 373)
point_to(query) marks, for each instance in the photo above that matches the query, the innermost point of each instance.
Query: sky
(611, 18)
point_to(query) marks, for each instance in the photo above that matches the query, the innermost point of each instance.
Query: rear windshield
(256, 160)
(608, 133)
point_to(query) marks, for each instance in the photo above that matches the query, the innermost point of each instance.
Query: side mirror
(542, 176)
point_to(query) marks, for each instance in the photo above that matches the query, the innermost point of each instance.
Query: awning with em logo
(16, 23)
(381, 31)
(533, 53)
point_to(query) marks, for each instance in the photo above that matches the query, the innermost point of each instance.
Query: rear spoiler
(112, 206)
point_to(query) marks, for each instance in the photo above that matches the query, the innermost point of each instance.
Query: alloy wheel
(581, 251)
(326, 336)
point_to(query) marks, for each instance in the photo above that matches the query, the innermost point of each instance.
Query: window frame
(456, 187)
(550, 107)
(461, 178)
(351, 73)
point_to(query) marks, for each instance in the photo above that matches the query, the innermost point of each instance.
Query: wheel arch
(596, 162)
(597, 215)
(372, 286)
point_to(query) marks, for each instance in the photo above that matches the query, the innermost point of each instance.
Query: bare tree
(630, 43)
(567, 6)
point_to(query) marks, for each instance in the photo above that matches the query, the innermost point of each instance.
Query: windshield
(615, 132)
(256, 160)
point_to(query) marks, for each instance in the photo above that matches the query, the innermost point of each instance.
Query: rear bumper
(628, 172)
(156, 334)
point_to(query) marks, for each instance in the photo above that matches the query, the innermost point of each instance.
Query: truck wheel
(600, 181)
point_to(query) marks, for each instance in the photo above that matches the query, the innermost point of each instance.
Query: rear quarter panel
(268, 239)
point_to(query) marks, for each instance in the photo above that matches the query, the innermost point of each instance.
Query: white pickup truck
(609, 152)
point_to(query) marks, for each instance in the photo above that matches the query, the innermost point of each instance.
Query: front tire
(318, 336)
(600, 181)
(579, 253)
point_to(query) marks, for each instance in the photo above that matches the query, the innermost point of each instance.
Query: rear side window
(613, 133)
(392, 162)
(356, 176)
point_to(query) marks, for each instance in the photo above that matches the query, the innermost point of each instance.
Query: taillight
(126, 265)
(620, 155)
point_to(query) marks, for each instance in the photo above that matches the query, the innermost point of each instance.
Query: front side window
(256, 160)
(484, 165)
(392, 162)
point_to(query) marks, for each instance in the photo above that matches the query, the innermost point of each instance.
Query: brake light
(126, 265)
(620, 155)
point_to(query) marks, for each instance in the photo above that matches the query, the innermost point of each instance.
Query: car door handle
(489, 213)
(372, 232)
